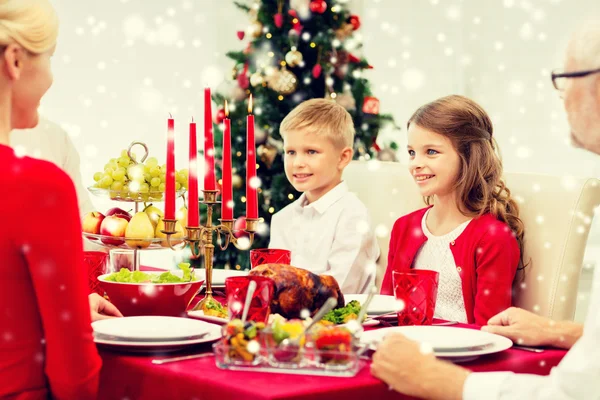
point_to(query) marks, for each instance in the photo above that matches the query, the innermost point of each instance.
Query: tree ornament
(293, 57)
(318, 6)
(387, 154)
(354, 20)
(316, 71)
(255, 29)
(260, 135)
(267, 154)
(278, 18)
(219, 116)
(241, 35)
(256, 79)
(344, 31)
(283, 82)
(371, 105)
(242, 78)
(346, 100)
(236, 181)
(238, 227)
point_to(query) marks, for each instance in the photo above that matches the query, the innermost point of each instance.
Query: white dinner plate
(199, 314)
(381, 304)
(446, 342)
(213, 333)
(219, 275)
(150, 328)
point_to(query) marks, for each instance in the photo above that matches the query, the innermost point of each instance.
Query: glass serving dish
(128, 243)
(132, 196)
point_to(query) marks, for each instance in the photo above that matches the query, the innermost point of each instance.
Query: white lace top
(435, 255)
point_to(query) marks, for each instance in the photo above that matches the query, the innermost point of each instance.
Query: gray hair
(585, 44)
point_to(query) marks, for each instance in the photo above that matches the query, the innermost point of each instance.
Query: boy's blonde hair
(32, 24)
(322, 117)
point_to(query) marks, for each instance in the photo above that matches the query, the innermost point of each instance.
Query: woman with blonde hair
(46, 345)
(470, 232)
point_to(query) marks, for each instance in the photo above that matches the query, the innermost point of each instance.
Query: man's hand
(100, 308)
(412, 369)
(529, 329)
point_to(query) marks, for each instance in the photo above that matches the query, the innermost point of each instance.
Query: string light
(239, 154)
(271, 210)
(291, 196)
(280, 97)
(243, 199)
(269, 36)
(313, 45)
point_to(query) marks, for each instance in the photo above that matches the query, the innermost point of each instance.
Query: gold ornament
(256, 79)
(283, 82)
(267, 154)
(293, 58)
(236, 181)
(344, 31)
(255, 29)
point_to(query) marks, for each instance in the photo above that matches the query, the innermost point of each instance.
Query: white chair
(557, 213)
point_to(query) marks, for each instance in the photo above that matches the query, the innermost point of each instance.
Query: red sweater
(46, 344)
(486, 256)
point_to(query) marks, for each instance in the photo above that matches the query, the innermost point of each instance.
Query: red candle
(193, 212)
(209, 144)
(170, 172)
(251, 180)
(226, 187)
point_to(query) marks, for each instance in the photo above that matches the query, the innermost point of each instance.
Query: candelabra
(200, 238)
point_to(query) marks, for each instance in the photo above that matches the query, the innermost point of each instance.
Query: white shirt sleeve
(354, 253)
(576, 377)
(275, 240)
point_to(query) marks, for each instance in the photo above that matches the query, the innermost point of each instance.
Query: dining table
(133, 376)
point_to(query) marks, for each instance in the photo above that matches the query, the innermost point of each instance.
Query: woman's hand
(100, 308)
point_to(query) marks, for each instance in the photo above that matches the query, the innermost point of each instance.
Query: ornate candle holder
(201, 238)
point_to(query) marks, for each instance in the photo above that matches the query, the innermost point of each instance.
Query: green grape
(155, 182)
(185, 185)
(184, 172)
(135, 173)
(134, 186)
(152, 162)
(155, 171)
(144, 187)
(119, 174)
(177, 186)
(106, 181)
(147, 177)
(98, 176)
(163, 177)
(123, 162)
(124, 154)
(157, 196)
(146, 168)
(145, 197)
(117, 186)
(161, 187)
(179, 177)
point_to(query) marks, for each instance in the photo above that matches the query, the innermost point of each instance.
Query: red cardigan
(486, 256)
(46, 344)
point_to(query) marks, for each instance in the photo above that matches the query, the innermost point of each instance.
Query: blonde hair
(480, 187)
(33, 24)
(322, 117)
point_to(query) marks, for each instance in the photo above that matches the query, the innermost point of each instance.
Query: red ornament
(316, 71)
(354, 21)
(318, 6)
(241, 34)
(219, 116)
(238, 227)
(278, 19)
(353, 59)
(371, 105)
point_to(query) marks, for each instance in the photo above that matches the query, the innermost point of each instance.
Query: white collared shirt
(576, 377)
(331, 236)
(49, 142)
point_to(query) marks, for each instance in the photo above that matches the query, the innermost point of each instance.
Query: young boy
(328, 229)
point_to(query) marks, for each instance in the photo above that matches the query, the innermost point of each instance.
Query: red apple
(115, 226)
(118, 211)
(91, 222)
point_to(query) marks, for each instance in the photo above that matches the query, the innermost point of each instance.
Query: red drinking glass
(97, 264)
(236, 288)
(417, 289)
(269, 256)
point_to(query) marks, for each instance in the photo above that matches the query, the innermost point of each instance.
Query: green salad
(344, 314)
(127, 276)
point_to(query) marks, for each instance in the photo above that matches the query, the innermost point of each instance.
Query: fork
(181, 358)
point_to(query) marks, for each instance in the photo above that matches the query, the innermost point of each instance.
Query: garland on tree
(297, 50)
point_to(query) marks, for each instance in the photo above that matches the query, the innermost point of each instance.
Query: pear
(182, 216)
(154, 213)
(139, 228)
(178, 235)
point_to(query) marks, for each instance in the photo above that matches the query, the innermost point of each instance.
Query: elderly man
(399, 361)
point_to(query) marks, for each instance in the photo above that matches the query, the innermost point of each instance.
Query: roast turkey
(297, 289)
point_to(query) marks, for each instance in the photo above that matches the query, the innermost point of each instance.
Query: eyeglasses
(559, 78)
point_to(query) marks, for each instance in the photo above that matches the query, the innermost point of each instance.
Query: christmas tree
(296, 50)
